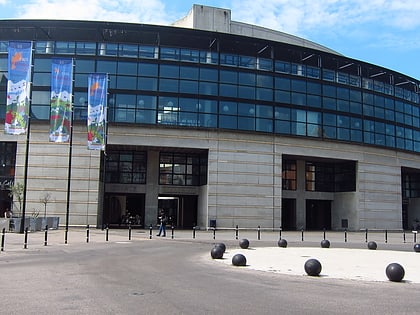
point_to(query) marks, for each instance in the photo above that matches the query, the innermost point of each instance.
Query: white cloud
(151, 11)
(300, 17)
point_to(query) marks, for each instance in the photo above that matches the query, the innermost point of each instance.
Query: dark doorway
(318, 214)
(181, 210)
(288, 214)
(123, 210)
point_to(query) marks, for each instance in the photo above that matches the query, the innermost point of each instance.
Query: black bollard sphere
(372, 245)
(244, 243)
(216, 252)
(395, 272)
(417, 248)
(239, 260)
(313, 267)
(325, 244)
(282, 243)
(222, 245)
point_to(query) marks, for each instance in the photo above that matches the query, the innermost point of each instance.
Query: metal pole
(324, 233)
(25, 243)
(172, 232)
(345, 235)
(366, 235)
(214, 233)
(87, 233)
(107, 233)
(150, 231)
(46, 236)
(129, 231)
(259, 232)
(236, 231)
(69, 175)
(386, 236)
(280, 233)
(193, 231)
(28, 136)
(3, 235)
(302, 235)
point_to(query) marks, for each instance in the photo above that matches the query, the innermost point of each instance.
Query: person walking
(162, 220)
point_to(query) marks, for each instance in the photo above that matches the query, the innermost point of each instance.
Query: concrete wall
(244, 176)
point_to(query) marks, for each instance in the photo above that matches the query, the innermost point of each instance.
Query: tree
(16, 191)
(45, 198)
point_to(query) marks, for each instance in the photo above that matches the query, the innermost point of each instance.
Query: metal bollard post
(65, 236)
(302, 235)
(107, 233)
(25, 243)
(236, 231)
(366, 235)
(3, 235)
(172, 231)
(404, 236)
(259, 232)
(415, 236)
(87, 233)
(386, 236)
(46, 236)
(194, 231)
(214, 233)
(150, 231)
(129, 232)
(324, 233)
(345, 236)
(280, 233)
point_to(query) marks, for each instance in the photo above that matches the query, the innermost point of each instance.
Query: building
(219, 123)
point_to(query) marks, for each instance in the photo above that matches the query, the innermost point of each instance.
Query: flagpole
(69, 168)
(25, 170)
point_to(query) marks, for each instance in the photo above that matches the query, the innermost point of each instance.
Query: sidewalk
(79, 235)
(347, 258)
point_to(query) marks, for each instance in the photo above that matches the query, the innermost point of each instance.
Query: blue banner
(18, 87)
(97, 100)
(61, 99)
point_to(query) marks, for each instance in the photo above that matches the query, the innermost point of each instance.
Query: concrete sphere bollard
(221, 245)
(313, 267)
(282, 243)
(239, 260)
(372, 245)
(244, 243)
(216, 252)
(325, 244)
(395, 272)
(417, 248)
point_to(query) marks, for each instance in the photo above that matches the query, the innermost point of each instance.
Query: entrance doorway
(288, 214)
(181, 210)
(318, 214)
(121, 210)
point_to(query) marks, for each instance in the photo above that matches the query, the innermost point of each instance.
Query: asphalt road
(163, 276)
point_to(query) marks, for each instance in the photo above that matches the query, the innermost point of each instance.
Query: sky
(382, 32)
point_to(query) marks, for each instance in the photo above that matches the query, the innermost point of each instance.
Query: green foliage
(16, 192)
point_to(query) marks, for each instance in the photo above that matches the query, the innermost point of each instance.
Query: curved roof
(219, 20)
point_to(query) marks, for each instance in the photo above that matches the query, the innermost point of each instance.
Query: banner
(18, 88)
(97, 100)
(61, 99)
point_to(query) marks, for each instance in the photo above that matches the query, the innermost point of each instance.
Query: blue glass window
(169, 71)
(208, 88)
(169, 53)
(147, 84)
(189, 73)
(127, 68)
(207, 74)
(148, 69)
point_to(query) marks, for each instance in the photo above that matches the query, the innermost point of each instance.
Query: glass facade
(203, 88)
